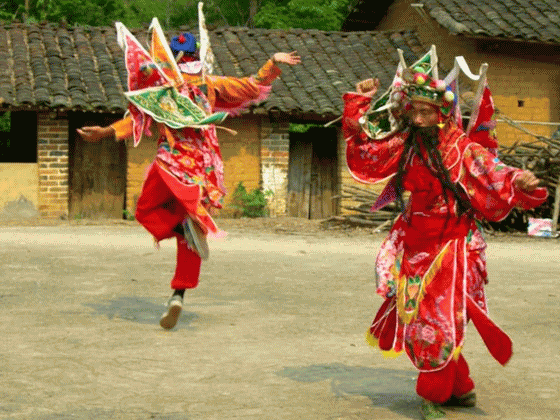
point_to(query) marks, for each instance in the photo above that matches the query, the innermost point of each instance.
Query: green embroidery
(414, 280)
(446, 351)
(166, 105)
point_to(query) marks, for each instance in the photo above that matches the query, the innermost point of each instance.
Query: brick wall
(52, 159)
(275, 150)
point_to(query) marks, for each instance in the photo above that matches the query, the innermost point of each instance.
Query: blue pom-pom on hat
(185, 42)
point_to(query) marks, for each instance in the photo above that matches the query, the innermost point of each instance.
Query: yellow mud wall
(19, 180)
(241, 155)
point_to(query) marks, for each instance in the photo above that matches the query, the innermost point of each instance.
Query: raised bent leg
(157, 209)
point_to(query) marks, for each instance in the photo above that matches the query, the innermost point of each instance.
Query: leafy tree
(283, 14)
(217, 12)
(326, 15)
(83, 12)
(280, 14)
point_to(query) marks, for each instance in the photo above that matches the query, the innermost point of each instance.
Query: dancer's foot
(430, 410)
(174, 307)
(467, 400)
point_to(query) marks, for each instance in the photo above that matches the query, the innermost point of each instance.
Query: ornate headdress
(418, 82)
(156, 86)
(420, 85)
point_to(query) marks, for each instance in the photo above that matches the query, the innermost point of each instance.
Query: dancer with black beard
(431, 269)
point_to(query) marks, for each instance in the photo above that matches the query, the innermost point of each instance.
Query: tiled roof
(83, 68)
(524, 20)
(519, 20)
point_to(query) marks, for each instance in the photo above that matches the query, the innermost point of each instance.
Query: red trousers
(159, 211)
(453, 379)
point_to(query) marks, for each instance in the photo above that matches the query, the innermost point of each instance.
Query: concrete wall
(523, 78)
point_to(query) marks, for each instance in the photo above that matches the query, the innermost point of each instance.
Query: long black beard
(428, 137)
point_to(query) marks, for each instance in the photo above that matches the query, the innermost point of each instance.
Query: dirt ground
(274, 331)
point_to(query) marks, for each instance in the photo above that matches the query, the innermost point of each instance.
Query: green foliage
(326, 15)
(302, 128)
(280, 14)
(216, 12)
(141, 12)
(253, 204)
(83, 12)
(128, 215)
(307, 14)
(6, 122)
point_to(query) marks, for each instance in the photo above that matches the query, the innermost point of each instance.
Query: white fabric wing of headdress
(206, 54)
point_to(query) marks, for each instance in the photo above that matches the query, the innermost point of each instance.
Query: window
(18, 136)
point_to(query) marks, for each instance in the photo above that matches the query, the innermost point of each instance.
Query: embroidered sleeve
(490, 185)
(368, 160)
(123, 128)
(233, 94)
(267, 73)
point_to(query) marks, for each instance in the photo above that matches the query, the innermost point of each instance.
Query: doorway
(313, 173)
(97, 171)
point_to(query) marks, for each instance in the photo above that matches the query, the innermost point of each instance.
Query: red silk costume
(431, 268)
(186, 177)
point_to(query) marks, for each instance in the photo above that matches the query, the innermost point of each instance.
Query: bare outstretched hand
(367, 87)
(287, 58)
(95, 133)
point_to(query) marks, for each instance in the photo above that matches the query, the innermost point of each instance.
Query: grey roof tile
(533, 21)
(83, 68)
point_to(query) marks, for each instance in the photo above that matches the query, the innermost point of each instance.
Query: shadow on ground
(138, 310)
(389, 388)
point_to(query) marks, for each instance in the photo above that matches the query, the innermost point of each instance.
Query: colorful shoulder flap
(162, 55)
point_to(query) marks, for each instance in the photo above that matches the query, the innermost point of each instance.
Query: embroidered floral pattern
(429, 285)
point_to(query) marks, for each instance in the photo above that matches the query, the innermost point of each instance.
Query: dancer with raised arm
(431, 269)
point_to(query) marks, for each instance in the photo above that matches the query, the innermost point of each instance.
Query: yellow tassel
(374, 342)
(391, 354)
(457, 352)
(371, 340)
